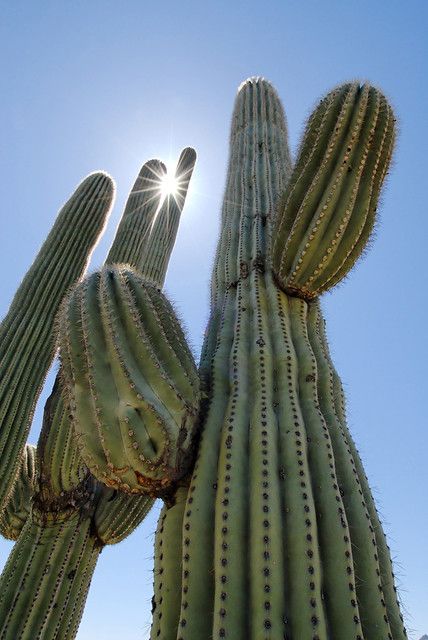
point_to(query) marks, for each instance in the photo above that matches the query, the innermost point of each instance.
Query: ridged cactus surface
(268, 529)
(133, 384)
(27, 340)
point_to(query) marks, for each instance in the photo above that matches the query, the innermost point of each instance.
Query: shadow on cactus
(268, 528)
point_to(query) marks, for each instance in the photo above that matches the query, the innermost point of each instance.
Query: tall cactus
(270, 530)
(279, 535)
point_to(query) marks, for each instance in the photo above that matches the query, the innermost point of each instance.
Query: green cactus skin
(280, 535)
(168, 567)
(27, 342)
(46, 579)
(14, 516)
(328, 209)
(132, 381)
(60, 514)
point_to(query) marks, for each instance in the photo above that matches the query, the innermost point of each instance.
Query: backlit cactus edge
(268, 529)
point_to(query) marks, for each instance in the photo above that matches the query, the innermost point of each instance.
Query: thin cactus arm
(148, 228)
(16, 512)
(27, 342)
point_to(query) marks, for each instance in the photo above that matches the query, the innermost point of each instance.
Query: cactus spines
(328, 209)
(27, 342)
(131, 379)
(46, 578)
(17, 509)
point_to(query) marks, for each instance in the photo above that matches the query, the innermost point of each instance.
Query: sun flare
(169, 185)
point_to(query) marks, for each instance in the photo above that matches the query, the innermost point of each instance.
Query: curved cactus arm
(328, 209)
(17, 509)
(148, 228)
(131, 381)
(27, 342)
(118, 514)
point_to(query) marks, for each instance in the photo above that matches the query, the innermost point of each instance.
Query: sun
(169, 185)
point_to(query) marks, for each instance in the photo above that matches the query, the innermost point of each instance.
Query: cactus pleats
(46, 579)
(118, 514)
(131, 380)
(17, 509)
(328, 209)
(27, 341)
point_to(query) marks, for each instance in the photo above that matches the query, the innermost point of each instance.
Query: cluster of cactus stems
(268, 530)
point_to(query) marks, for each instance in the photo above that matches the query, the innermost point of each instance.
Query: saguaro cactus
(279, 536)
(270, 530)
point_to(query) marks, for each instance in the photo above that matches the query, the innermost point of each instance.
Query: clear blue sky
(108, 84)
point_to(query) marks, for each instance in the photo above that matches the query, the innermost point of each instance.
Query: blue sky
(102, 84)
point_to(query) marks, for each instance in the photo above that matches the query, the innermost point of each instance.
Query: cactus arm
(118, 514)
(26, 343)
(134, 423)
(377, 167)
(149, 225)
(138, 216)
(168, 568)
(18, 506)
(61, 468)
(155, 262)
(54, 563)
(329, 205)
